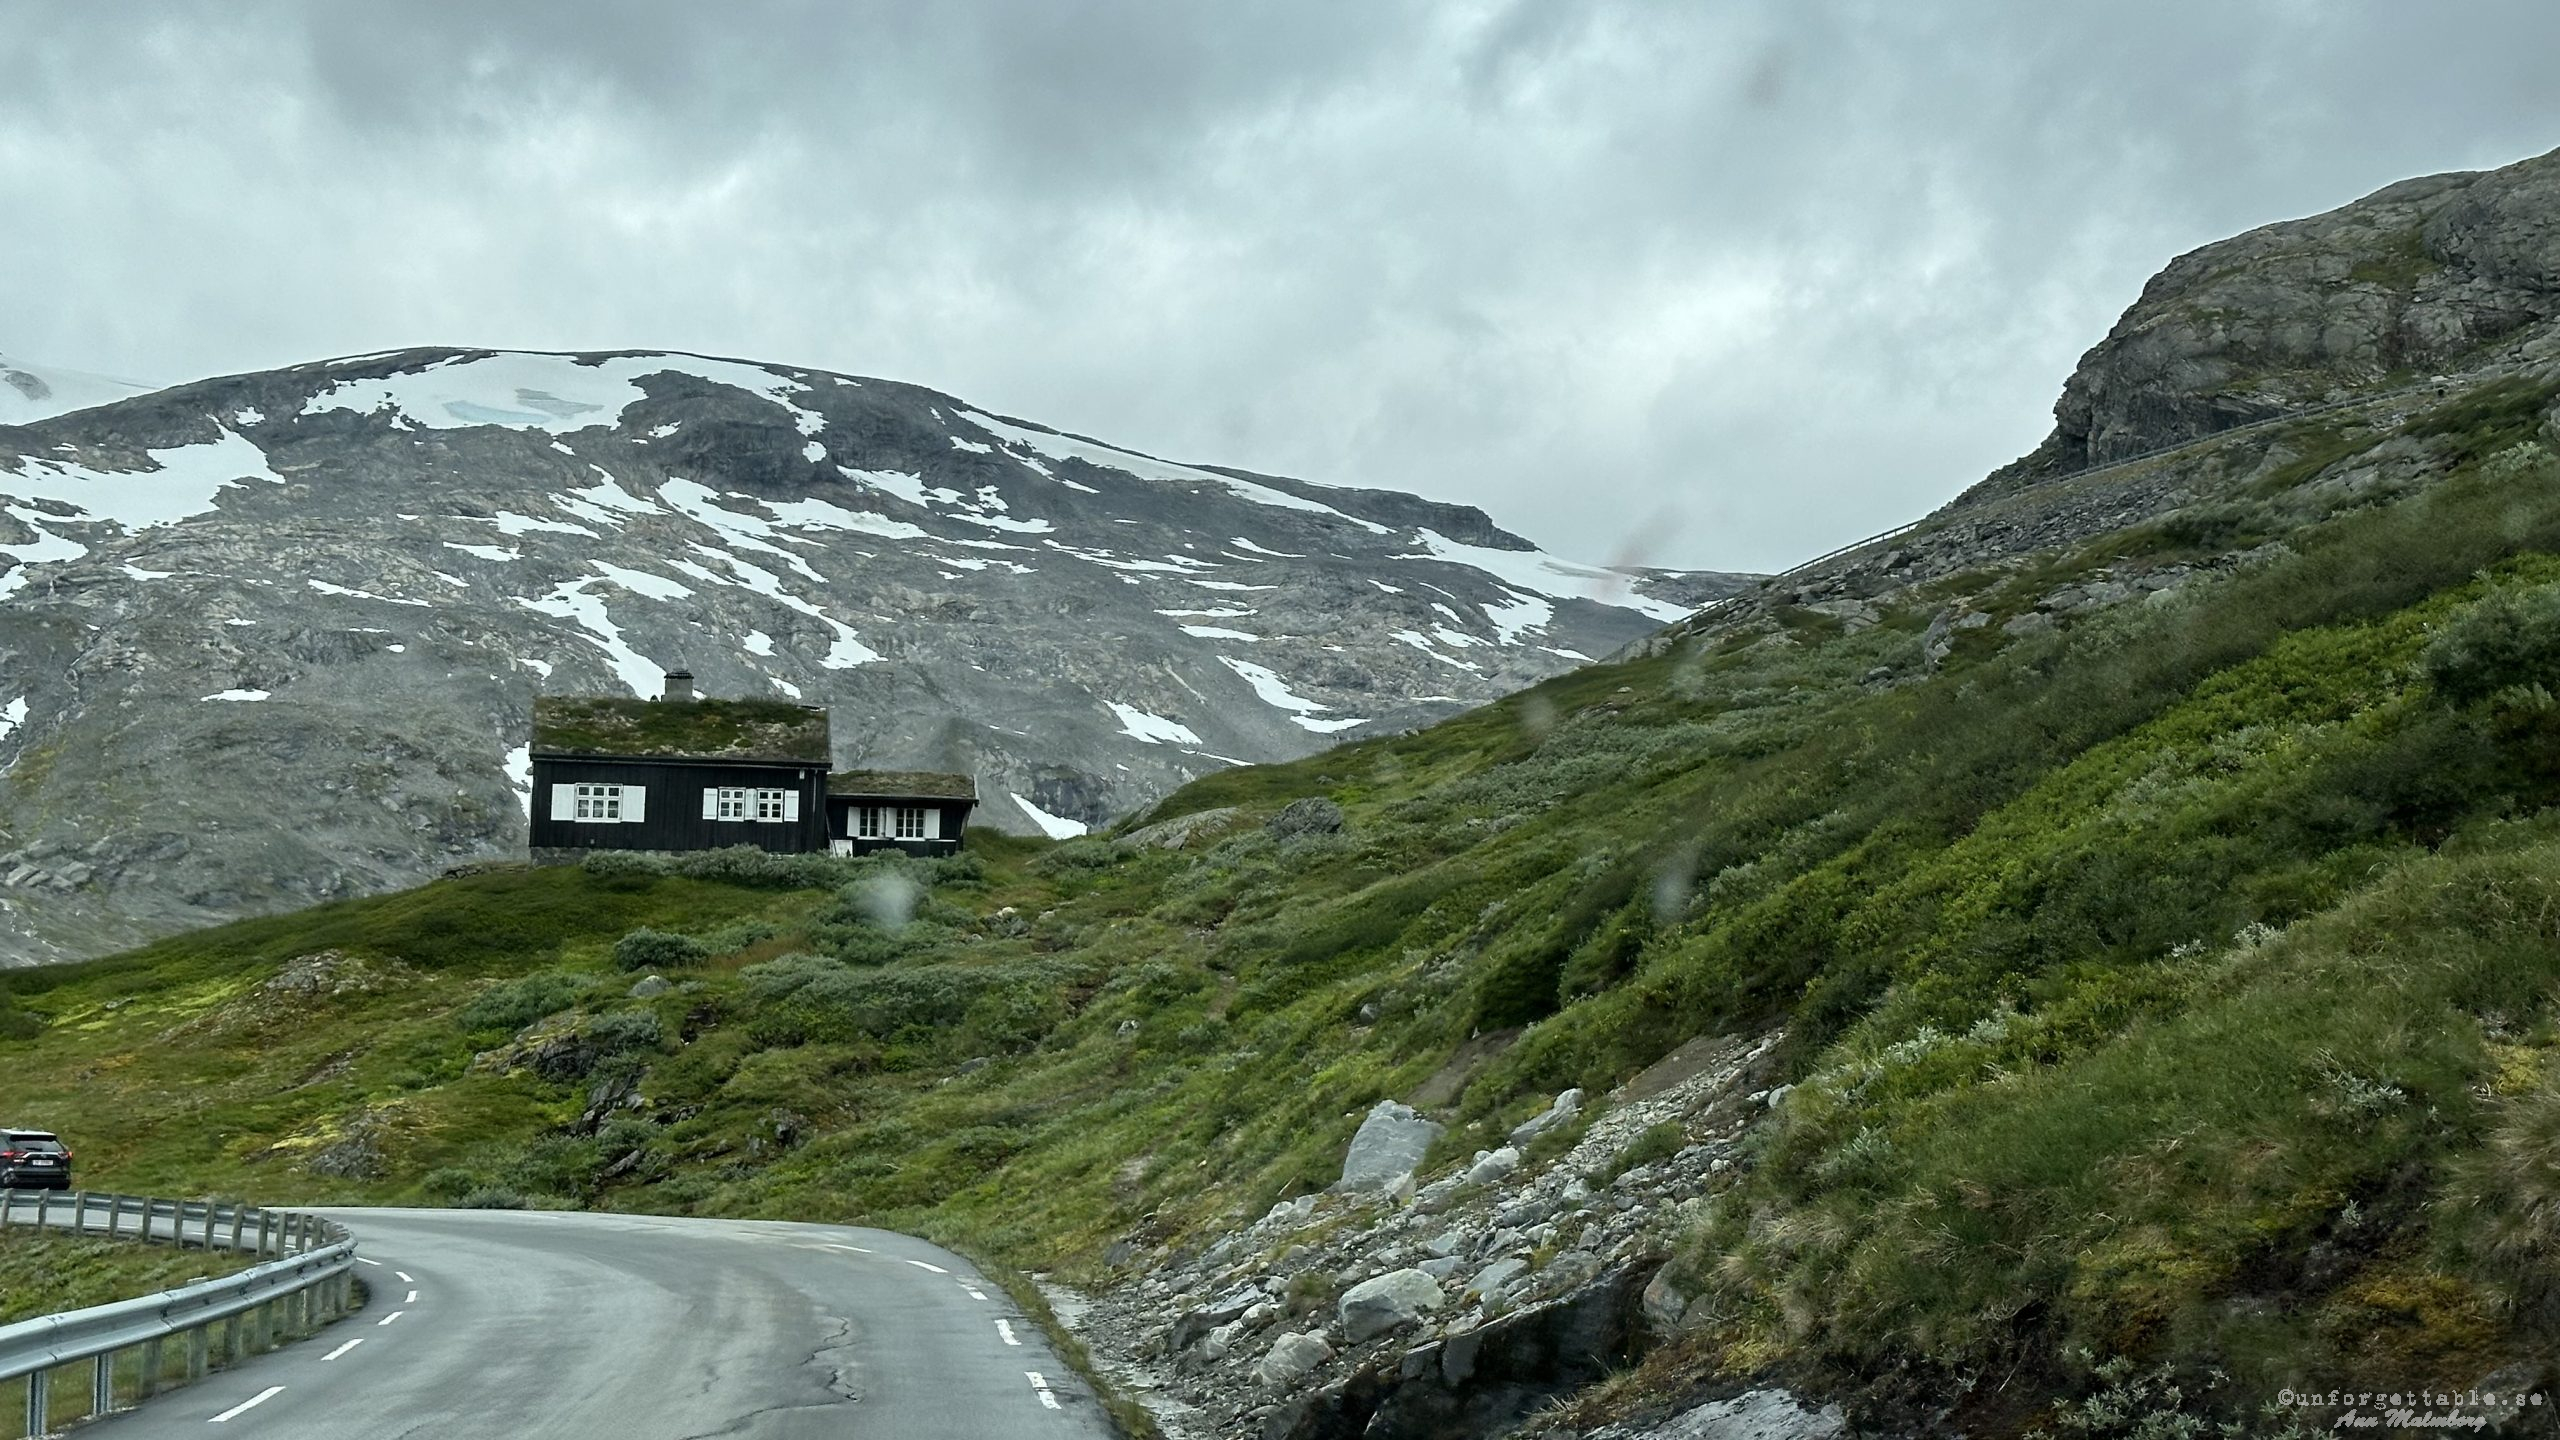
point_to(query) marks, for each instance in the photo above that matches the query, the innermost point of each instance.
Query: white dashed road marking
(343, 1349)
(412, 1300)
(253, 1402)
(394, 1315)
(1005, 1329)
(1042, 1387)
(363, 1261)
(856, 1249)
(405, 1277)
(974, 1292)
(921, 1265)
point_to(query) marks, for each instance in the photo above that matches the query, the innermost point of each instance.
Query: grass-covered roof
(680, 729)
(903, 784)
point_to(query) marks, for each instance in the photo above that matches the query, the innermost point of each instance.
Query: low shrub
(2511, 638)
(518, 1003)
(647, 949)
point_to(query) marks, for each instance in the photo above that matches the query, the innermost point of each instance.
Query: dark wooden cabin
(677, 773)
(922, 812)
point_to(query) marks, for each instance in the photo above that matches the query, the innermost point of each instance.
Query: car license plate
(44, 1163)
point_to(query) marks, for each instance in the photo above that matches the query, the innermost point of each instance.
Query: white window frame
(910, 822)
(599, 804)
(867, 823)
(731, 803)
(773, 805)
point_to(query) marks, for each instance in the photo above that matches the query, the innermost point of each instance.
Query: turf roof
(681, 729)
(904, 784)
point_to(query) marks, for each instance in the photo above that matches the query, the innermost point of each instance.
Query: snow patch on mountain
(1540, 573)
(31, 392)
(1153, 729)
(532, 390)
(1056, 827)
(184, 481)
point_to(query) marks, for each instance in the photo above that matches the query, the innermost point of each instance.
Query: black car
(33, 1160)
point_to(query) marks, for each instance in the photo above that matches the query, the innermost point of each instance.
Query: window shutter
(711, 802)
(564, 801)
(791, 805)
(635, 803)
(933, 822)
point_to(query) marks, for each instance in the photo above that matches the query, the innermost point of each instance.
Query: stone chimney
(679, 685)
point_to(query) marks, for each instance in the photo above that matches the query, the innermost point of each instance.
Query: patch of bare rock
(1393, 1308)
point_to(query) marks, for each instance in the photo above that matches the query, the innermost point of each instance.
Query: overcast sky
(1693, 283)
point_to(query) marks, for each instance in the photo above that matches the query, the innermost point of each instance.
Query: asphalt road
(506, 1324)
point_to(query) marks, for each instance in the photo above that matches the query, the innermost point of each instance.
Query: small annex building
(683, 772)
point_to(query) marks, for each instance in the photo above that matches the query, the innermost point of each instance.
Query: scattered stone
(1755, 1415)
(1391, 1301)
(650, 987)
(1292, 1358)
(1493, 1165)
(1494, 1278)
(1388, 1147)
(1565, 1107)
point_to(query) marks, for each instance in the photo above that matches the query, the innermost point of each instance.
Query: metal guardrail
(307, 1284)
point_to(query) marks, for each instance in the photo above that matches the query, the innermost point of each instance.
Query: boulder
(1497, 1277)
(1314, 815)
(1292, 1358)
(1390, 1302)
(1440, 1194)
(1664, 1304)
(1388, 1147)
(1755, 1415)
(1565, 1107)
(1179, 832)
(1194, 1325)
(1493, 1165)
(650, 987)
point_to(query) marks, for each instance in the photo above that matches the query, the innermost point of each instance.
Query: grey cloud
(1718, 285)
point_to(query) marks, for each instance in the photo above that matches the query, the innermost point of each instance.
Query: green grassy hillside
(43, 1272)
(2174, 988)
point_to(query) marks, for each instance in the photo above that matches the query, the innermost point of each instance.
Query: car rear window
(42, 1143)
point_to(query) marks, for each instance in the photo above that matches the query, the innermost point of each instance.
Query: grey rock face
(1388, 1146)
(1389, 1302)
(272, 639)
(2410, 279)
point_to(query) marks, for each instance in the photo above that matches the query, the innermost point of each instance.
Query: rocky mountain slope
(273, 638)
(30, 392)
(2084, 966)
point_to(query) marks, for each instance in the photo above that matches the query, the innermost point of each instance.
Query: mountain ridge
(368, 564)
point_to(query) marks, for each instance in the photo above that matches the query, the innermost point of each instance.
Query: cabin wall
(672, 815)
(955, 819)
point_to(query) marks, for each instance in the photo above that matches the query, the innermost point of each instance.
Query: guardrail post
(79, 1212)
(208, 1225)
(232, 1340)
(264, 1222)
(199, 1347)
(44, 1214)
(39, 1413)
(115, 1216)
(102, 1385)
(236, 1220)
(151, 1363)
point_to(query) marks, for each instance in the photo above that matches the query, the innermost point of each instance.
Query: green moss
(729, 729)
